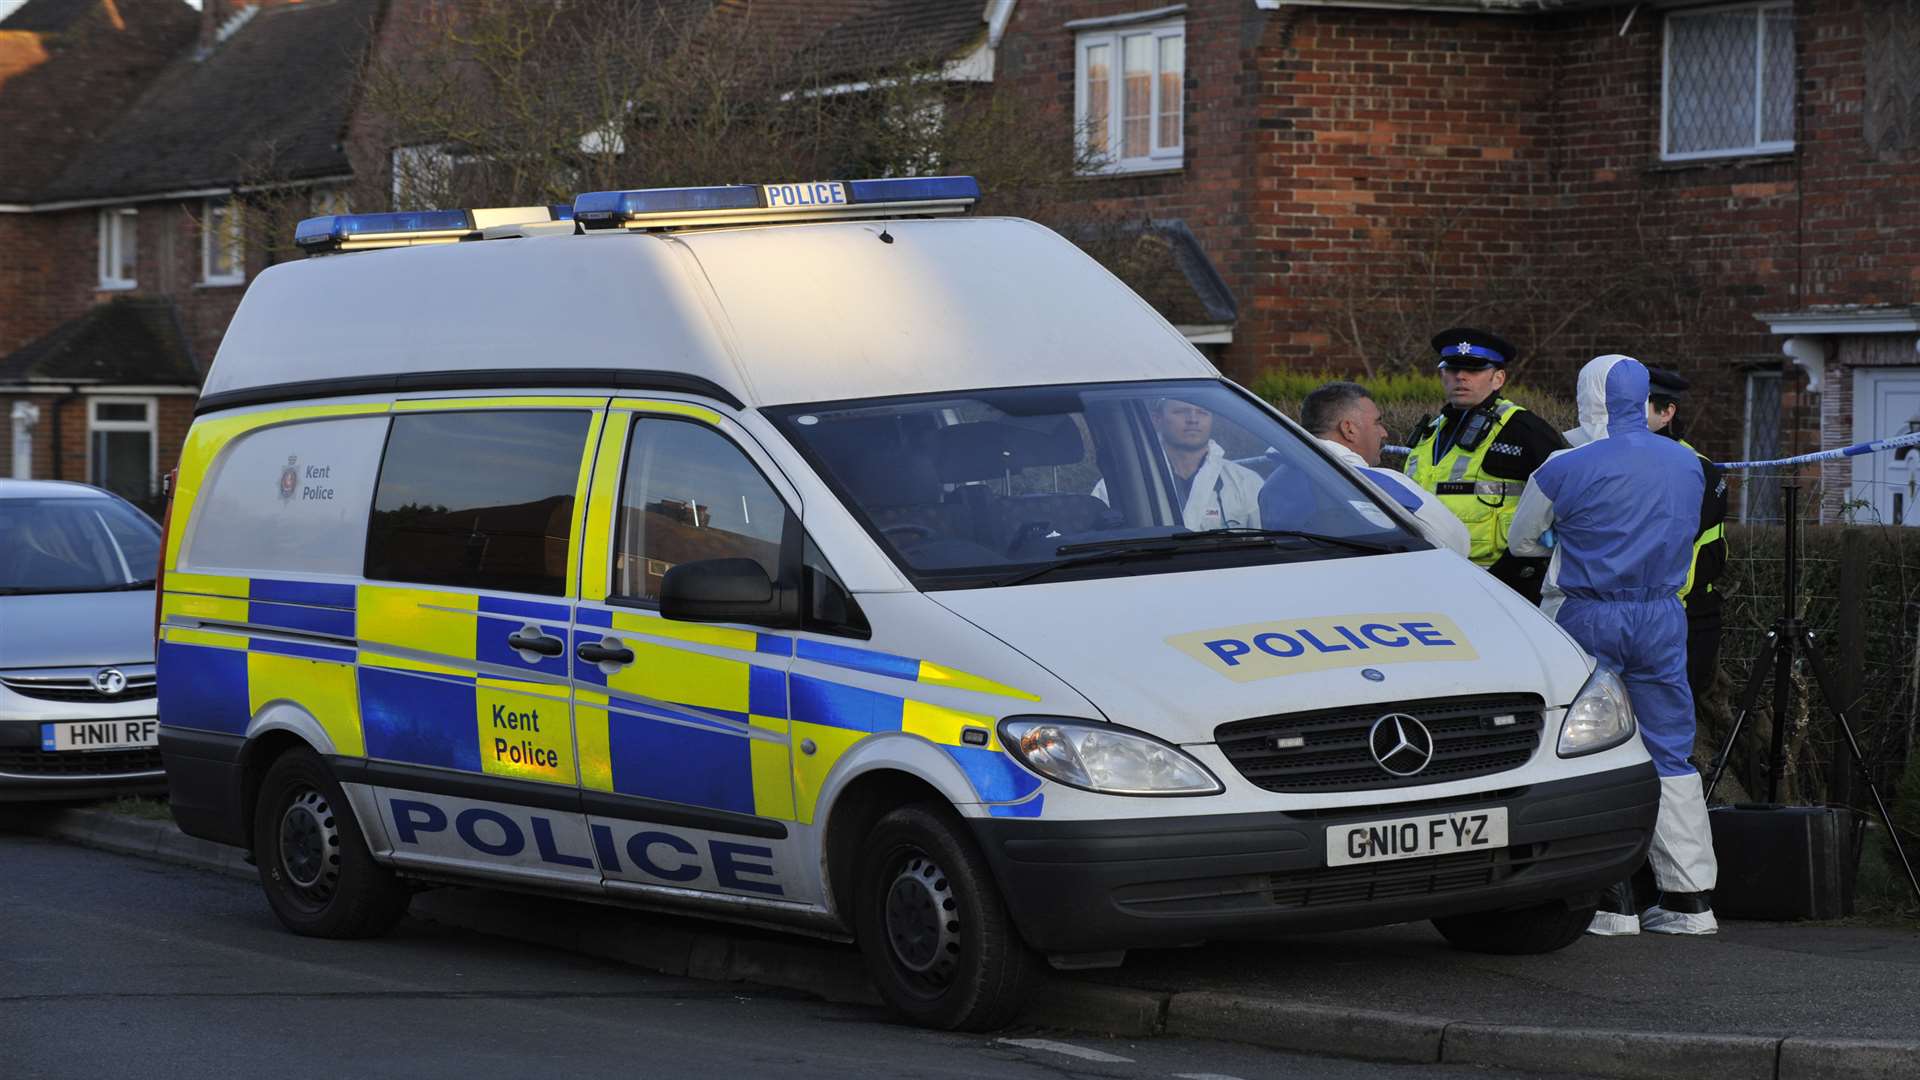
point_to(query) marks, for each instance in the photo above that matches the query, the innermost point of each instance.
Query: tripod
(1790, 637)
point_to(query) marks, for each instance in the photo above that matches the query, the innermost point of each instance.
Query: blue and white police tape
(1895, 442)
(1912, 438)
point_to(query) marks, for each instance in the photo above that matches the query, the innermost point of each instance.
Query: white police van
(810, 555)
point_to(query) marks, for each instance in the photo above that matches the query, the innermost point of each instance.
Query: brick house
(1725, 188)
(1732, 189)
(152, 137)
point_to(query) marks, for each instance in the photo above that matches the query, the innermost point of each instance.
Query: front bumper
(1095, 886)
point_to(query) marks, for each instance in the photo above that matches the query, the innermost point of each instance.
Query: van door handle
(536, 642)
(594, 652)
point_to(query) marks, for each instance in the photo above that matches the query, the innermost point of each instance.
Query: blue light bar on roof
(741, 204)
(364, 232)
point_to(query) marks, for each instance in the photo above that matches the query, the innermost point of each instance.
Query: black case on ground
(1783, 862)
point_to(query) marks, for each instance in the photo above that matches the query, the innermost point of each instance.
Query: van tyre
(931, 924)
(313, 860)
(1543, 928)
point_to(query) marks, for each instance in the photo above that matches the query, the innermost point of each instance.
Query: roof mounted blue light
(744, 204)
(409, 228)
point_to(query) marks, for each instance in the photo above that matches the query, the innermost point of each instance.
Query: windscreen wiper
(1094, 552)
(1230, 537)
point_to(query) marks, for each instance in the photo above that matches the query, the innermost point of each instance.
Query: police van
(821, 556)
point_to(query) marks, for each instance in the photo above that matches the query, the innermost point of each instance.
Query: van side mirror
(724, 590)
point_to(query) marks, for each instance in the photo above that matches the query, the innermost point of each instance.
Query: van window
(478, 500)
(288, 498)
(690, 494)
(1005, 486)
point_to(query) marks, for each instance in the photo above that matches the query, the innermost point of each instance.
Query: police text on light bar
(742, 204)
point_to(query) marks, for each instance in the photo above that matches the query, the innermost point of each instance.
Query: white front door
(1886, 402)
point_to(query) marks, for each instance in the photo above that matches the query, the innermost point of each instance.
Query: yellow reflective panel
(810, 770)
(942, 725)
(420, 619)
(603, 503)
(213, 608)
(684, 678)
(669, 408)
(524, 731)
(590, 736)
(583, 484)
(441, 404)
(772, 770)
(205, 441)
(326, 690)
(945, 676)
(208, 584)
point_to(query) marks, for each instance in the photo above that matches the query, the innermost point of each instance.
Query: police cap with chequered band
(1464, 347)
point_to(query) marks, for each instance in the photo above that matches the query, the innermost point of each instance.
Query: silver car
(77, 716)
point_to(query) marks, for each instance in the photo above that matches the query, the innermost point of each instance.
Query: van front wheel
(930, 922)
(314, 865)
(1543, 928)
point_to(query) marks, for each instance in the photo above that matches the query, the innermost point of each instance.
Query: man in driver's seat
(1213, 493)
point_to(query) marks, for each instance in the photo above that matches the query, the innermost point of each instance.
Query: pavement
(1759, 1001)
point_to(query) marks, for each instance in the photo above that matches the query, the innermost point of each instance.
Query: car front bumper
(1096, 886)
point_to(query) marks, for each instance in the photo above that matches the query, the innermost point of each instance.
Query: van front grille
(1327, 750)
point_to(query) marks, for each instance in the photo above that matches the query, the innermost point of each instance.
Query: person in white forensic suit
(1622, 509)
(1213, 492)
(1346, 420)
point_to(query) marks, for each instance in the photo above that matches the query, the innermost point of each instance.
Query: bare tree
(516, 103)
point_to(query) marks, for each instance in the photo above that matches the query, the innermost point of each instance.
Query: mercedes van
(820, 556)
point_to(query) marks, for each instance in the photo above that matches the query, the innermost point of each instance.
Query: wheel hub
(310, 844)
(923, 919)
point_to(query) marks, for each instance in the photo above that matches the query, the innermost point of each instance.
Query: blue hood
(1612, 397)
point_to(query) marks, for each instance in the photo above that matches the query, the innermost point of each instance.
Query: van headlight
(1104, 758)
(1600, 718)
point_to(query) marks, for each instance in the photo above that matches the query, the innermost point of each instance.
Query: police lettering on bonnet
(1477, 454)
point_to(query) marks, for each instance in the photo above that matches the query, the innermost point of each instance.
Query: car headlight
(1104, 758)
(1600, 718)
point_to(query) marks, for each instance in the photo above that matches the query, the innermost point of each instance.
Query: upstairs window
(1729, 83)
(222, 256)
(119, 246)
(1129, 92)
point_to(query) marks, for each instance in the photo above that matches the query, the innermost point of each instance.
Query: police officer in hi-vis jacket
(1477, 454)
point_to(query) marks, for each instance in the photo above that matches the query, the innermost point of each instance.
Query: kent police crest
(289, 478)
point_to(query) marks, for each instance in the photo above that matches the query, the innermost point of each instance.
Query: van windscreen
(1000, 486)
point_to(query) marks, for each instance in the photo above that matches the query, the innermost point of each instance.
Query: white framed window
(1760, 488)
(1129, 91)
(223, 258)
(1728, 82)
(121, 450)
(119, 247)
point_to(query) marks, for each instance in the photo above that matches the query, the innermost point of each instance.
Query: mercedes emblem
(1400, 743)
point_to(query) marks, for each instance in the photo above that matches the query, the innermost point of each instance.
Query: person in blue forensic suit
(1623, 509)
